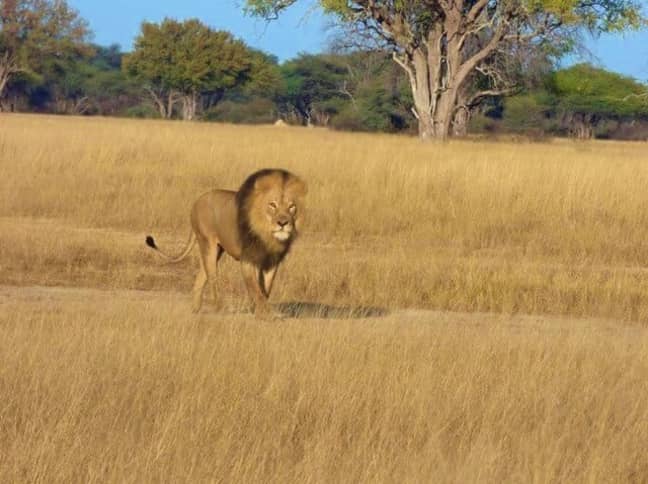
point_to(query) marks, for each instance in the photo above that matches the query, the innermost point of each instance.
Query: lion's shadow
(300, 310)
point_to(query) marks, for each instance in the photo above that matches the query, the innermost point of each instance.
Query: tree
(32, 31)
(88, 84)
(264, 77)
(150, 64)
(584, 95)
(255, 101)
(312, 91)
(377, 93)
(441, 44)
(110, 91)
(186, 62)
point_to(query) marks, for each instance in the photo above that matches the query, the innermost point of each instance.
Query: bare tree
(441, 44)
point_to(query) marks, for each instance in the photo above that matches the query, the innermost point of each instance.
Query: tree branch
(393, 23)
(475, 11)
(478, 96)
(405, 67)
(470, 64)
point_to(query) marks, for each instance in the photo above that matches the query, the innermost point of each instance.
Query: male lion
(256, 225)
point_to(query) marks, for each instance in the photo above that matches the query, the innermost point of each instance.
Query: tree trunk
(158, 101)
(3, 83)
(582, 126)
(81, 105)
(444, 113)
(8, 66)
(460, 122)
(189, 106)
(4, 79)
(161, 108)
(172, 99)
(438, 123)
(167, 111)
(440, 64)
(423, 95)
(425, 126)
(435, 84)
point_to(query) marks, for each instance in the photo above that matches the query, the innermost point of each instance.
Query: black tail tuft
(150, 241)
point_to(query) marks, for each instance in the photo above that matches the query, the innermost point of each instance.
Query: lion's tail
(150, 241)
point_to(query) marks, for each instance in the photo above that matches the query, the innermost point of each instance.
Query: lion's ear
(297, 186)
(266, 183)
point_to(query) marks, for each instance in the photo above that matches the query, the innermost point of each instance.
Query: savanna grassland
(467, 312)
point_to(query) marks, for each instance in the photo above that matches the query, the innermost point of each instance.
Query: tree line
(419, 66)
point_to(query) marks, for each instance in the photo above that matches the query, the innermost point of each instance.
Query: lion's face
(276, 208)
(280, 215)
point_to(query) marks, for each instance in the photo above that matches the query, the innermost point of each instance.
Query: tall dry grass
(105, 376)
(556, 228)
(134, 389)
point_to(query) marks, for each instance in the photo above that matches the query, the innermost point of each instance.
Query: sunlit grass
(556, 228)
(105, 387)
(107, 376)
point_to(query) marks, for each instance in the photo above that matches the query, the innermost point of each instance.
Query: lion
(255, 225)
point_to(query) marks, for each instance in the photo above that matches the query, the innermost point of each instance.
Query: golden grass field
(464, 312)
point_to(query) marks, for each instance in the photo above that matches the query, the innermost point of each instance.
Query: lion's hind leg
(210, 253)
(212, 265)
(199, 286)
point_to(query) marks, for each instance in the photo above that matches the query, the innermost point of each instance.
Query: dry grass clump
(131, 388)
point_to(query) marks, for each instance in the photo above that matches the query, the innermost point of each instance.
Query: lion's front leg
(252, 277)
(268, 279)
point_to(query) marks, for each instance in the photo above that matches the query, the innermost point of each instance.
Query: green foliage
(188, 57)
(585, 89)
(254, 110)
(34, 29)
(361, 91)
(599, 15)
(191, 63)
(312, 85)
(581, 101)
(109, 90)
(527, 113)
(264, 77)
(84, 84)
(142, 111)
(33, 32)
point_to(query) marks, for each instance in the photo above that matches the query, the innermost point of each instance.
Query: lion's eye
(292, 209)
(273, 205)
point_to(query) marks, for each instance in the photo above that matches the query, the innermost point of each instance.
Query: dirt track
(169, 303)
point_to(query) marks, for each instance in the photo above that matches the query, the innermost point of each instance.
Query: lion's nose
(282, 223)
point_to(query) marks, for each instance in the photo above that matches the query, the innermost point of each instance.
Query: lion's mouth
(281, 234)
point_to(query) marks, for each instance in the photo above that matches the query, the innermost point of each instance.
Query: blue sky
(301, 29)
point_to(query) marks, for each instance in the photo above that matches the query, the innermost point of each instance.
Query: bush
(142, 111)
(631, 131)
(348, 120)
(250, 111)
(524, 114)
